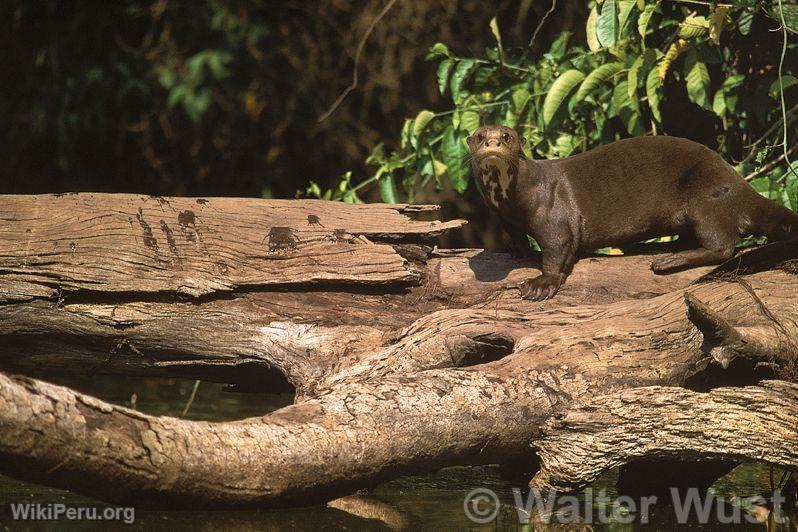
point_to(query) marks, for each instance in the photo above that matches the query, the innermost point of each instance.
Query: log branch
(756, 423)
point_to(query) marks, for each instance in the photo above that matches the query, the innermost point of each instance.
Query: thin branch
(766, 134)
(352, 86)
(790, 169)
(771, 165)
(542, 21)
(191, 398)
(702, 3)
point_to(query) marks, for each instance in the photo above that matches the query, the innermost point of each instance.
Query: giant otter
(625, 192)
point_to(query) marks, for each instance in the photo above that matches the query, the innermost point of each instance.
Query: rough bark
(441, 365)
(755, 423)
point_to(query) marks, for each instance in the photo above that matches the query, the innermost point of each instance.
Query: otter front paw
(540, 288)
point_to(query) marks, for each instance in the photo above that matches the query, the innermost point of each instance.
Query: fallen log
(445, 365)
(113, 304)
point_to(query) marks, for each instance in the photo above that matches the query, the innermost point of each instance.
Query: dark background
(91, 97)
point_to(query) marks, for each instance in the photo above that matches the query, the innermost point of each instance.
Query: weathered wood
(755, 423)
(131, 243)
(260, 340)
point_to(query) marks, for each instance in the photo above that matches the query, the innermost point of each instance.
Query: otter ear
(470, 140)
(523, 140)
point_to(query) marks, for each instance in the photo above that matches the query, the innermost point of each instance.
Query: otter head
(495, 152)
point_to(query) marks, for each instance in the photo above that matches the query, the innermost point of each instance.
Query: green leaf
(719, 103)
(565, 144)
(387, 186)
(744, 22)
(469, 121)
(791, 190)
(197, 103)
(560, 44)
(590, 29)
(630, 116)
(419, 124)
(763, 185)
(521, 98)
(596, 78)
(437, 51)
(444, 69)
(166, 77)
(644, 18)
(424, 164)
(625, 108)
(462, 71)
(407, 132)
(607, 23)
(694, 27)
(642, 64)
(620, 98)
(790, 12)
(455, 154)
(559, 91)
(483, 76)
(726, 97)
(697, 78)
(217, 62)
(438, 167)
(786, 81)
(176, 95)
(652, 93)
(624, 10)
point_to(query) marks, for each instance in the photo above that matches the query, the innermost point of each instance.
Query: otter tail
(772, 220)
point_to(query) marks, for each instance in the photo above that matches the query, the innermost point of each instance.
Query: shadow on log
(404, 358)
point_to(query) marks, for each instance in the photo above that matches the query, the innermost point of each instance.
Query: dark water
(430, 502)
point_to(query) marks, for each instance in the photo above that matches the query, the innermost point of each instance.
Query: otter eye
(506, 137)
(480, 137)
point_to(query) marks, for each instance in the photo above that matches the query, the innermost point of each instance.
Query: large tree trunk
(404, 358)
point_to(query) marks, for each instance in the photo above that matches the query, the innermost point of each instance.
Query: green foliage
(189, 85)
(647, 64)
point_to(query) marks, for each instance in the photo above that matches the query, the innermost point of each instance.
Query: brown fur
(621, 193)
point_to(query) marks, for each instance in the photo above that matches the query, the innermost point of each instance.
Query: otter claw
(540, 288)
